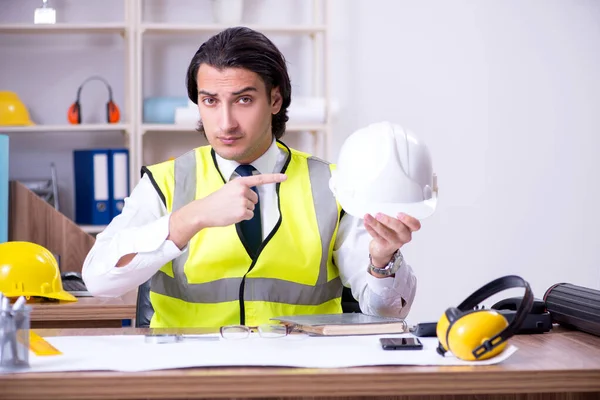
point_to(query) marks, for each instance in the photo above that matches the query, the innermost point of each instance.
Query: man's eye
(245, 100)
(208, 101)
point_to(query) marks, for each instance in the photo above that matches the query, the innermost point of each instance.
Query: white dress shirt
(143, 228)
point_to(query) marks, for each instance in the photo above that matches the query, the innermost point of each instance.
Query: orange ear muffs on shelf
(113, 114)
(73, 114)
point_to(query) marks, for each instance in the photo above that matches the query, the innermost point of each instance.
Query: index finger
(262, 179)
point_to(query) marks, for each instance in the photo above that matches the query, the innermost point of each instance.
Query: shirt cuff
(403, 284)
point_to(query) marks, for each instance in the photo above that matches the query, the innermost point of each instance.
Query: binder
(3, 188)
(101, 184)
(119, 165)
(92, 186)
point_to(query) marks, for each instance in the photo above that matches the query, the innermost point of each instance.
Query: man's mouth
(229, 139)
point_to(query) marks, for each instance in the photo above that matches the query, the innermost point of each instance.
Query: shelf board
(65, 128)
(214, 28)
(63, 28)
(92, 228)
(190, 129)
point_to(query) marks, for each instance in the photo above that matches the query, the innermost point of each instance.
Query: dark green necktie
(251, 229)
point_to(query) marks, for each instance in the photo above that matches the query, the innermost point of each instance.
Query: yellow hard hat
(12, 110)
(28, 269)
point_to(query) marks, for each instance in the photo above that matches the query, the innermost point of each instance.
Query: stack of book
(344, 324)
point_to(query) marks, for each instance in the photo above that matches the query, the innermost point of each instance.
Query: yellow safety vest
(215, 282)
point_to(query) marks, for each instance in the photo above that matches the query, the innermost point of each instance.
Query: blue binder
(3, 188)
(101, 184)
(92, 186)
(119, 165)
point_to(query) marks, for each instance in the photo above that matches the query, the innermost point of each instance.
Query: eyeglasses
(265, 331)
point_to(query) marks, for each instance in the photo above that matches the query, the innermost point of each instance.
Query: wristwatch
(391, 268)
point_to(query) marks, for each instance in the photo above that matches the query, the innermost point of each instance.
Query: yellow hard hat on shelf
(28, 269)
(12, 110)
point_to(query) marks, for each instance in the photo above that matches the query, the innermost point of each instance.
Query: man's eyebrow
(246, 89)
(204, 92)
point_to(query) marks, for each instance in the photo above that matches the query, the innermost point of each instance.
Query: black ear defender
(472, 333)
(113, 114)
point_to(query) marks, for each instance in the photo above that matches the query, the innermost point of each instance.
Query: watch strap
(391, 268)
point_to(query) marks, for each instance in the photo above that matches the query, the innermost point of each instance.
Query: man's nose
(228, 121)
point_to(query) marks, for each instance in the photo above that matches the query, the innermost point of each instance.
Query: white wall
(506, 95)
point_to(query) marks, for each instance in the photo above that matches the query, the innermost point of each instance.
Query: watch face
(392, 266)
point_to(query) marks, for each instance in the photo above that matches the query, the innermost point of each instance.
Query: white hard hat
(383, 168)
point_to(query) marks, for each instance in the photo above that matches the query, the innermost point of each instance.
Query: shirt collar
(264, 164)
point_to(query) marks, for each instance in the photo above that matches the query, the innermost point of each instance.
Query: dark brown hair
(242, 47)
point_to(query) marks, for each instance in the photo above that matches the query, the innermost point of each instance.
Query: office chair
(349, 303)
(144, 309)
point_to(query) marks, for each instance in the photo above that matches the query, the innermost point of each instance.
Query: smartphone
(405, 343)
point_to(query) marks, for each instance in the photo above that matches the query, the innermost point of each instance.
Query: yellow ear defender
(478, 334)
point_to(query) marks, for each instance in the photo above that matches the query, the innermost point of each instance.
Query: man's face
(236, 112)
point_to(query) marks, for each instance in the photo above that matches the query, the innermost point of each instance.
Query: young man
(246, 229)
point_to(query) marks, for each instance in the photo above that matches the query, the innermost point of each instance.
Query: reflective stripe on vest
(256, 289)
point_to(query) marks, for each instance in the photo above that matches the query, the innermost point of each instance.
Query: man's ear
(276, 100)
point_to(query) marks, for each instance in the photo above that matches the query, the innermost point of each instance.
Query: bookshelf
(135, 29)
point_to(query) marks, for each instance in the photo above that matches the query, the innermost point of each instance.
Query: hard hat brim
(26, 123)
(62, 295)
(358, 209)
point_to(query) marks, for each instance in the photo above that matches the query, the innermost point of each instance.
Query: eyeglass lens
(235, 332)
(242, 332)
(270, 331)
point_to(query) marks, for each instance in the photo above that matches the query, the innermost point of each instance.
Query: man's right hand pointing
(232, 203)
(235, 201)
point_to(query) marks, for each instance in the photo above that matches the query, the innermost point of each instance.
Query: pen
(9, 333)
(18, 304)
(5, 305)
(19, 318)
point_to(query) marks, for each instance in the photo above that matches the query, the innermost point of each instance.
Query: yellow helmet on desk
(12, 110)
(30, 270)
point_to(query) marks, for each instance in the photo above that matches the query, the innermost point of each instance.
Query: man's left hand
(389, 234)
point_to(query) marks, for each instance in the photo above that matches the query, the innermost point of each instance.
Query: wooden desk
(563, 365)
(87, 312)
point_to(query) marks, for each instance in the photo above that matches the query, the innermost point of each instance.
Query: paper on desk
(131, 353)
